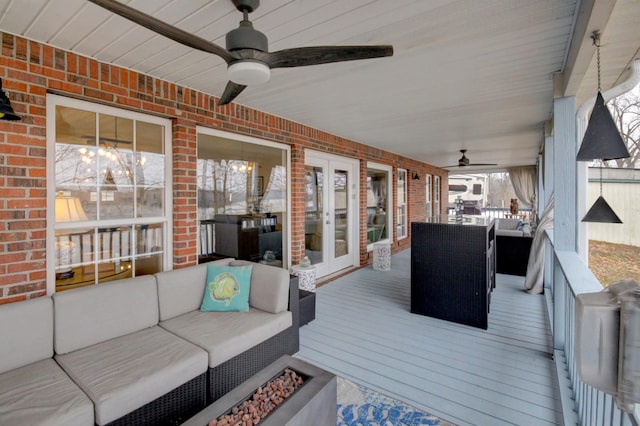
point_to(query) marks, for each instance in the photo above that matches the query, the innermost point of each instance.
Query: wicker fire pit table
(313, 403)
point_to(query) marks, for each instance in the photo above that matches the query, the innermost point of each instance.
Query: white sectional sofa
(34, 390)
(138, 351)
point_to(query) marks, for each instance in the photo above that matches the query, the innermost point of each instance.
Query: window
(402, 204)
(379, 205)
(436, 196)
(112, 203)
(458, 188)
(242, 198)
(429, 192)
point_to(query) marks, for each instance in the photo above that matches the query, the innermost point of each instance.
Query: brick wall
(29, 70)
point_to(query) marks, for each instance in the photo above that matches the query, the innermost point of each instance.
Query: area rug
(361, 406)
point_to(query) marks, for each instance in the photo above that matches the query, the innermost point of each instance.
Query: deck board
(504, 375)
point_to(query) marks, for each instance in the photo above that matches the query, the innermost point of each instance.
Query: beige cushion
(181, 290)
(509, 233)
(507, 224)
(27, 332)
(227, 334)
(42, 394)
(269, 287)
(125, 373)
(90, 315)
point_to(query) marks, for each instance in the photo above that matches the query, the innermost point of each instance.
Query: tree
(625, 110)
(500, 190)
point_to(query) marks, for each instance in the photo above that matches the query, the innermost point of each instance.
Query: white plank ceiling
(465, 74)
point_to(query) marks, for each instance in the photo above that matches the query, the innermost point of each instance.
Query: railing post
(559, 300)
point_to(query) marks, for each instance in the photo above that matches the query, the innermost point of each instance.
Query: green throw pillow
(227, 289)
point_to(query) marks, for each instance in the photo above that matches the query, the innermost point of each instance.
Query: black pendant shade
(6, 112)
(602, 139)
(601, 212)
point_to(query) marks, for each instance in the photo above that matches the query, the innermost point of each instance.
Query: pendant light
(602, 140)
(6, 112)
(601, 211)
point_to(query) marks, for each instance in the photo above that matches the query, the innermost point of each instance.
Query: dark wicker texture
(307, 305)
(512, 254)
(226, 376)
(452, 271)
(172, 408)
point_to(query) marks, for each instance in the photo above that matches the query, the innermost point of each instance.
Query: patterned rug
(361, 406)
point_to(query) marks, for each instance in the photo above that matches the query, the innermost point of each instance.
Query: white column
(564, 184)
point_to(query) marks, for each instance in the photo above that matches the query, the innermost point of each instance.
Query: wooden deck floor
(505, 375)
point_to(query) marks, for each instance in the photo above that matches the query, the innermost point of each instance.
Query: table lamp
(68, 209)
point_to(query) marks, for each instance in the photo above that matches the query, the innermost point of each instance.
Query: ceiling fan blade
(230, 92)
(162, 28)
(304, 56)
(453, 166)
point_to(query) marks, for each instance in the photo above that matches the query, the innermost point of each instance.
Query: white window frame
(402, 203)
(286, 243)
(166, 219)
(436, 196)
(385, 168)
(428, 196)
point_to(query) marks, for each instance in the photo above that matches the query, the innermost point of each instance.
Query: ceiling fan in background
(247, 56)
(464, 162)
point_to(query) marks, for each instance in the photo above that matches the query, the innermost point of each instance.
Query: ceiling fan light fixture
(248, 73)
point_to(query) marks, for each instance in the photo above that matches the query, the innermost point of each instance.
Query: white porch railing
(496, 212)
(566, 276)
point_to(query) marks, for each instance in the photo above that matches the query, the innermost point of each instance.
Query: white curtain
(523, 180)
(534, 280)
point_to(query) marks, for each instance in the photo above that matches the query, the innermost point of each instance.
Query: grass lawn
(614, 262)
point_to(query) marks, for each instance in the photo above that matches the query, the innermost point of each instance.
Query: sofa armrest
(509, 232)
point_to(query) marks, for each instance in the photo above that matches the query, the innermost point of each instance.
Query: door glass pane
(377, 204)
(341, 220)
(402, 204)
(314, 213)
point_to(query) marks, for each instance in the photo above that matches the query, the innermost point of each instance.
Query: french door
(331, 212)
